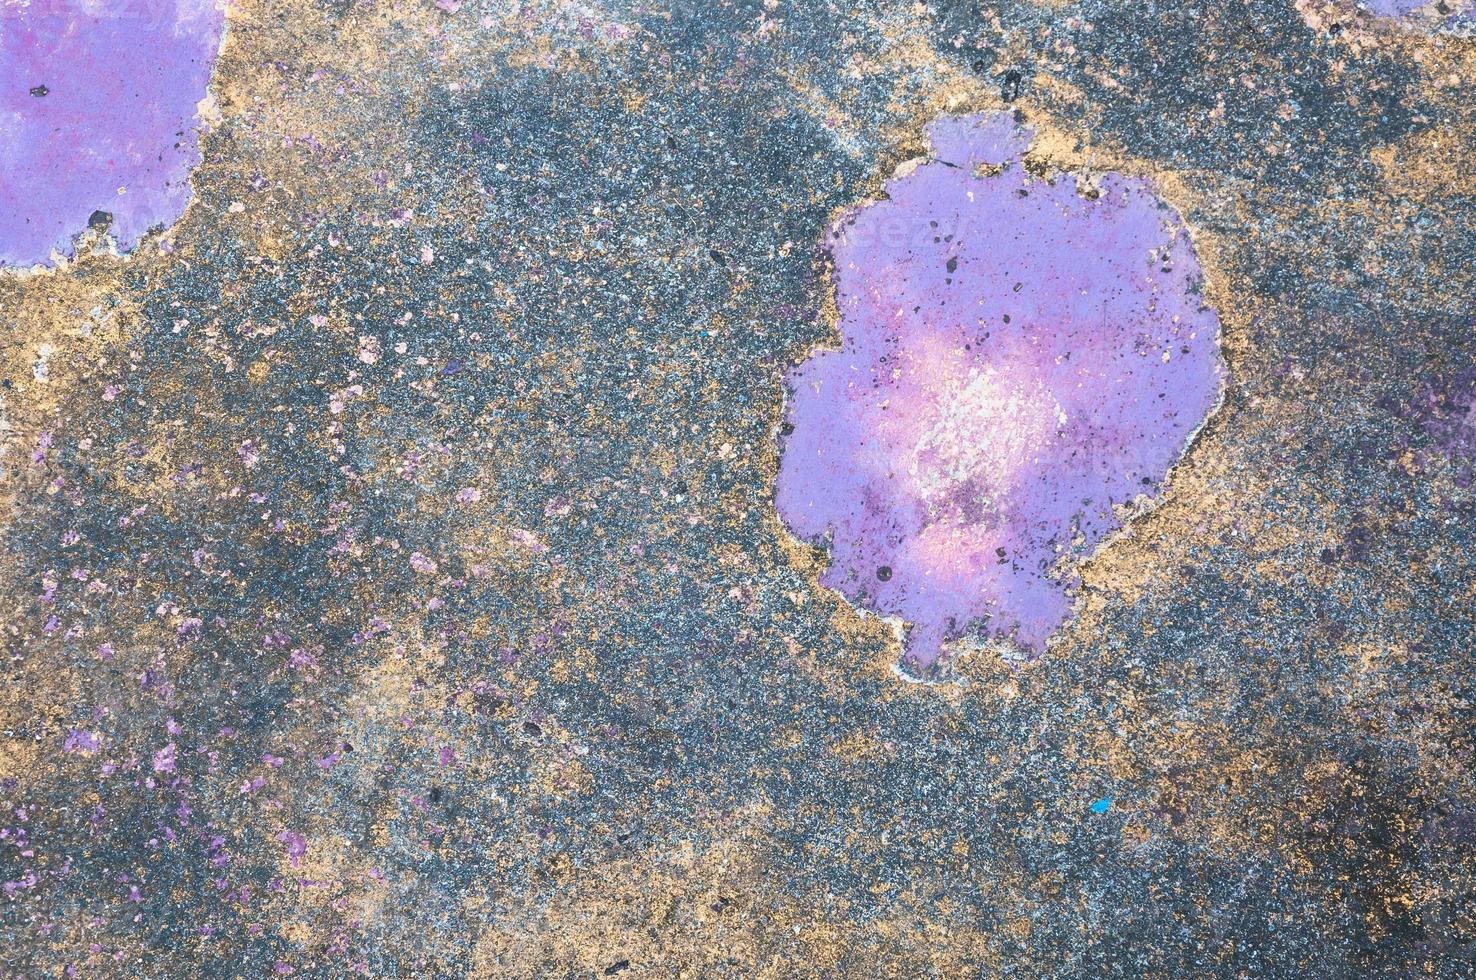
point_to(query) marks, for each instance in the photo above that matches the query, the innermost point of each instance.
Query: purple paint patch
(164, 758)
(1450, 14)
(1446, 410)
(97, 115)
(82, 742)
(1393, 8)
(1016, 360)
(295, 844)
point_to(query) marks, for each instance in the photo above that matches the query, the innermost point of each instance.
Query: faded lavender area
(1402, 8)
(1440, 17)
(1017, 359)
(98, 117)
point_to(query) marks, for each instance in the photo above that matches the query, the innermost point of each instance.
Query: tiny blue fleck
(1102, 805)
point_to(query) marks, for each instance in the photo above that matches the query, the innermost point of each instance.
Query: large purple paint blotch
(1015, 360)
(97, 113)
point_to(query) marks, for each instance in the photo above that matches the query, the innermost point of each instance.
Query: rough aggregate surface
(394, 584)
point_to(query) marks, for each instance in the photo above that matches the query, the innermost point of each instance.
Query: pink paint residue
(1016, 360)
(98, 114)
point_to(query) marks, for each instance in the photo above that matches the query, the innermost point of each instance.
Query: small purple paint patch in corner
(97, 117)
(1393, 8)
(1017, 359)
(1450, 15)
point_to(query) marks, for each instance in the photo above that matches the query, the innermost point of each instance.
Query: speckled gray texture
(597, 718)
